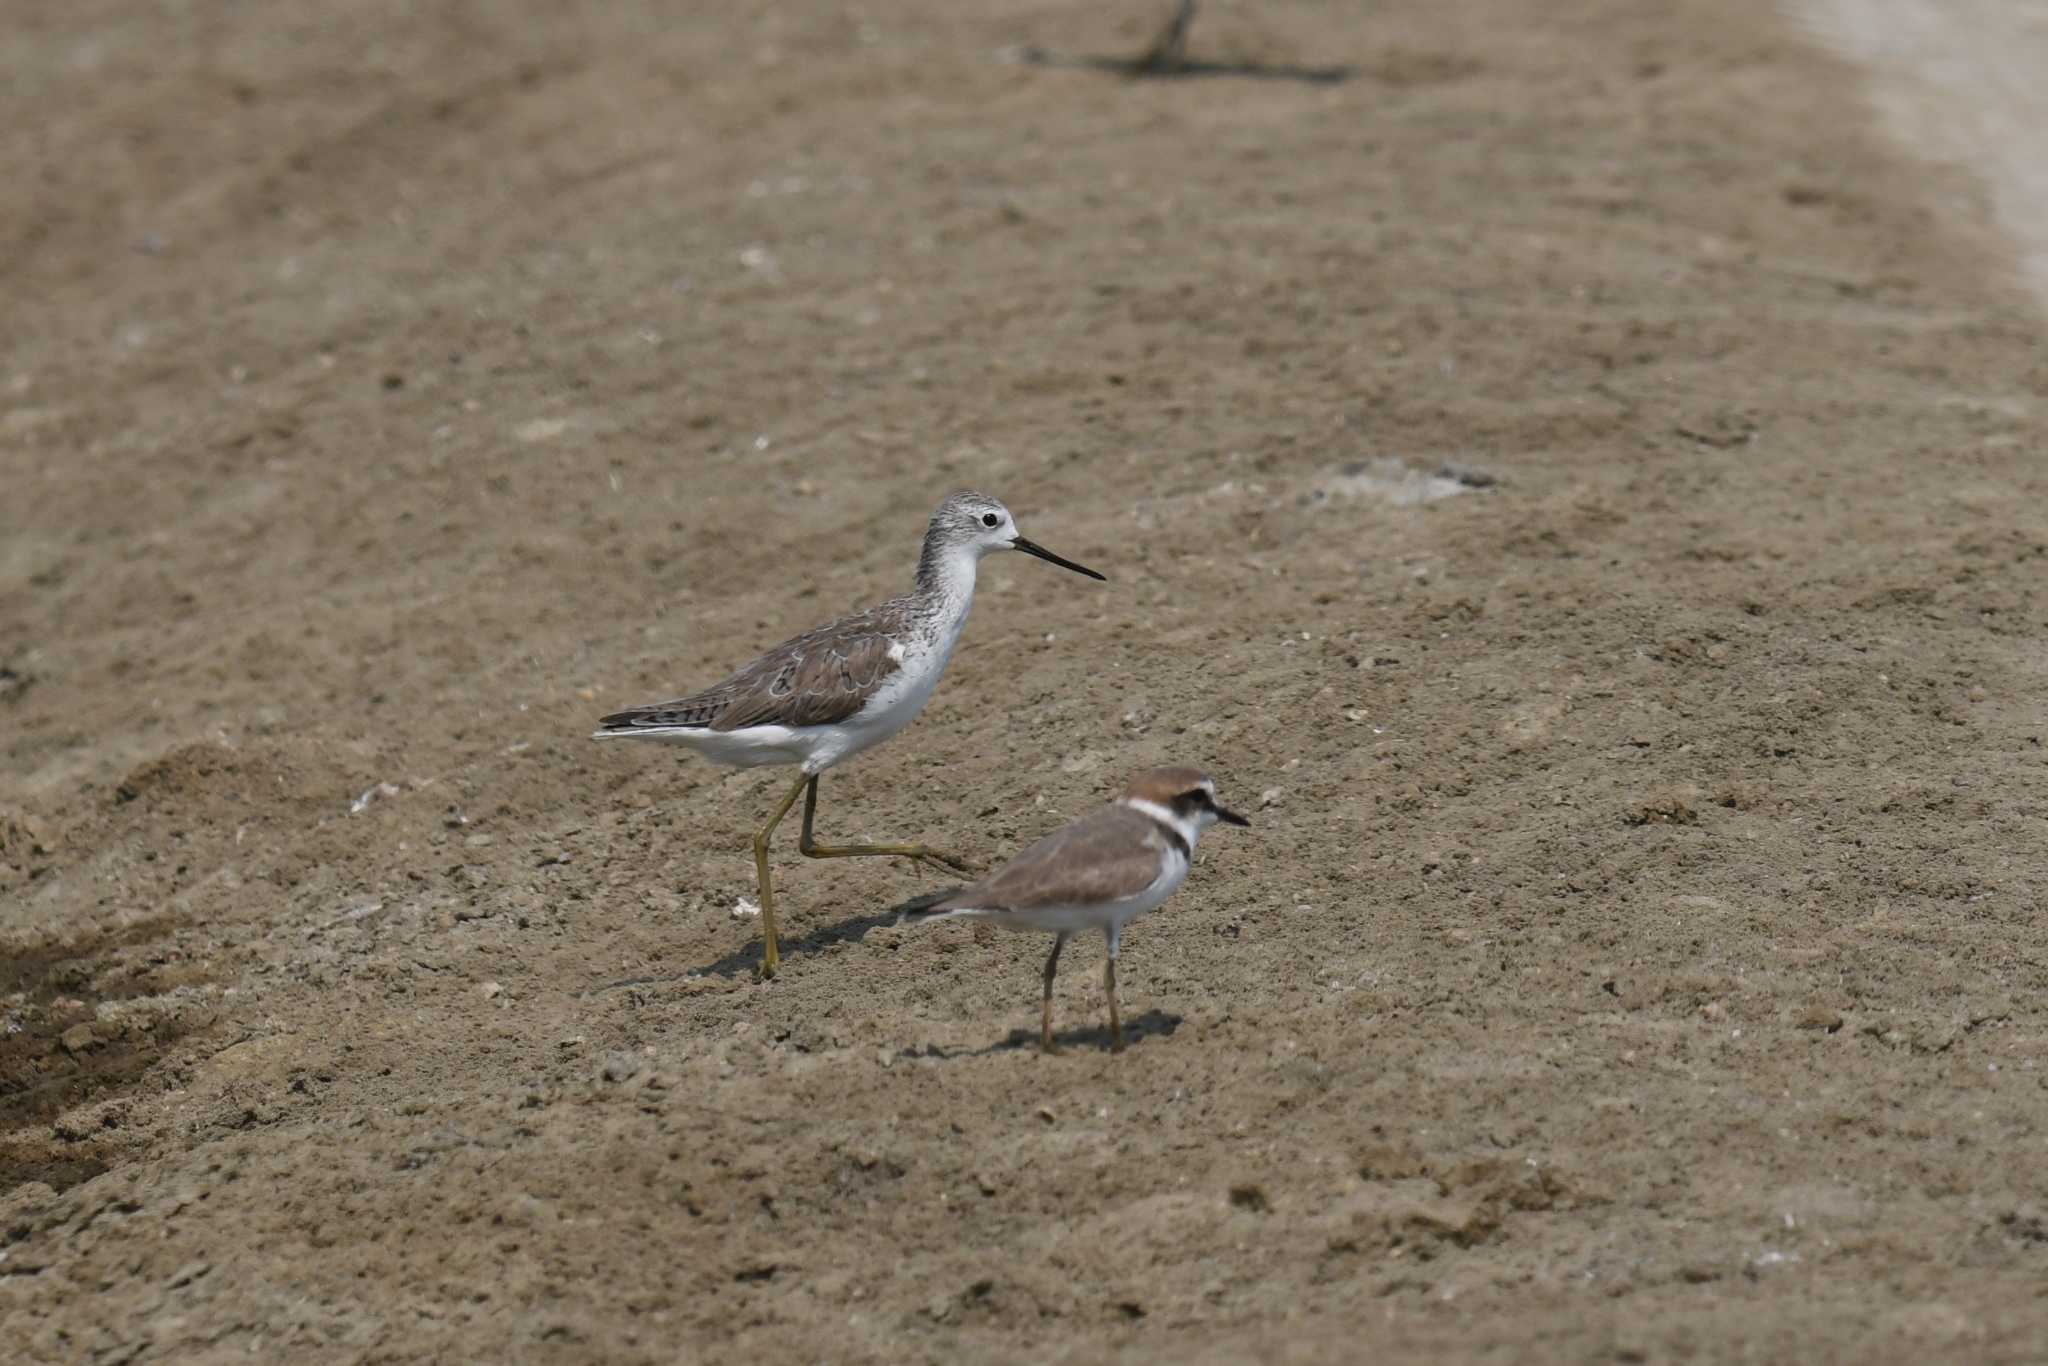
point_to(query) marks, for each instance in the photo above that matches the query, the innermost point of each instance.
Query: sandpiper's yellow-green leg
(771, 953)
(916, 853)
(1052, 964)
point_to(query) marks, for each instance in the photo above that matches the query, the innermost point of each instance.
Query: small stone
(1271, 797)
(1247, 1196)
(1045, 1113)
(620, 1067)
(189, 1273)
(1821, 1017)
(491, 990)
(1713, 1010)
(78, 1038)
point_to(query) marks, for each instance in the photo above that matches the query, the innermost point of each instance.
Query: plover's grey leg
(1169, 50)
(1116, 1026)
(1052, 964)
(916, 853)
(771, 954)
(1113, 935)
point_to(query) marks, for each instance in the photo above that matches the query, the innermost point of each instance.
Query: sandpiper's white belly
(748, 747)
(894, 705)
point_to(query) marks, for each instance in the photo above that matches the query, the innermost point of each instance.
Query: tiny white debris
(759, 258)
(520, 748)
(1394, 481)
(491, 990)
(1272, 796)
(744, 909)
(370, 794)
(541, 429)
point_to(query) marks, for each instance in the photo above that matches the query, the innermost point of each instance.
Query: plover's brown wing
(1108, 856)
(816, 679)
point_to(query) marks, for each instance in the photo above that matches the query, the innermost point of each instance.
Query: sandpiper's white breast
(920, 654)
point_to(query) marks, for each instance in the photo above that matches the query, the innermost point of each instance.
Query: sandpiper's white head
(1182, 797)
(973, 525)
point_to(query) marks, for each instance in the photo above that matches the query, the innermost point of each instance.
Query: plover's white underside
(1099, 873)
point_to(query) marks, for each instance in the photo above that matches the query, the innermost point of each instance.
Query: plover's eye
(988, 519)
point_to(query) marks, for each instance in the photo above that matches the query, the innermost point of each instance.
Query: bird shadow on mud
(747, 959)
(1149, 68)
(1148, 1025)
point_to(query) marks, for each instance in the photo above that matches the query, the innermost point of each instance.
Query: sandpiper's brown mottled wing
(1108, 856)
(816, 679)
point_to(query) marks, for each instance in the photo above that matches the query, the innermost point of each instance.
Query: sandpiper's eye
(989, 519)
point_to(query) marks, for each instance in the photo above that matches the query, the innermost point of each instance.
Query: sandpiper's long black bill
(1033, 548)
(1229, 817)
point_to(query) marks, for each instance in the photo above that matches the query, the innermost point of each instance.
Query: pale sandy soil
(1638, 956)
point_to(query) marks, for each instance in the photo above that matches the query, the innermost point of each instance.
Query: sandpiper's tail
(661, 719)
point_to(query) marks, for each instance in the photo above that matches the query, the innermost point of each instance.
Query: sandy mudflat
(1638, 955)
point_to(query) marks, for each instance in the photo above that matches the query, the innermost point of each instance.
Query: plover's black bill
(1229, 817)
(1033, 548)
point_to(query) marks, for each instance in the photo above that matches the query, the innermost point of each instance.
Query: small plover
(1100, 873)
(823, 697)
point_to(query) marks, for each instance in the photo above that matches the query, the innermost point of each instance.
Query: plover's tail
(932, 906)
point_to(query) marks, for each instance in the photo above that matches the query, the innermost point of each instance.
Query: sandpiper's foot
(920, 854)
(945, 863)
